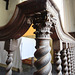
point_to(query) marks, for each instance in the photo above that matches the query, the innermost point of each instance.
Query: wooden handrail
(44, 15)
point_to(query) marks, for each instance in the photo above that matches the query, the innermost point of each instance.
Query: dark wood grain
(18, 26)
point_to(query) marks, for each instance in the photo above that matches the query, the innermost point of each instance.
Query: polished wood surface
(18, 25)
(44, 15)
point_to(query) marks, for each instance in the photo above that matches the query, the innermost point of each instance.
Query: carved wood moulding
(19, 23)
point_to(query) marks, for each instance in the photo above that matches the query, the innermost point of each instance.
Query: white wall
(59, 4)
(74, 14)
(5, 15)
(69, 16)
(67, 12)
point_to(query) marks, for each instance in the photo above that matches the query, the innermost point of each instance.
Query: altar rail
(45, 17)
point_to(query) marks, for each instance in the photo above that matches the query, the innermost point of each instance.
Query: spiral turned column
(42, 24)
(69, 62)
(71, 58)
(74, 59)
(9, 58)
(65, 63)
(58, 63)
(9, 64)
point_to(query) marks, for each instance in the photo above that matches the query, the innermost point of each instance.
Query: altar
(24, 49)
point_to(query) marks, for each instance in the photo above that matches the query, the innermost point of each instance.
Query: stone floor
(27, 70)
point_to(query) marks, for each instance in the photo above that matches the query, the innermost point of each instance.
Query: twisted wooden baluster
(42, 26)
(74, 59)
(9, 63)
(65, 63)
(72, 72)
(58, 63)
(9, 58)
(43, 63)
(69, 62)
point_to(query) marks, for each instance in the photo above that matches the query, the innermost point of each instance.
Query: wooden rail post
(65, 63)
(69, 61)
(58, 63)
(9, 60)
(71, 58)
(42, 24)
(74, 58)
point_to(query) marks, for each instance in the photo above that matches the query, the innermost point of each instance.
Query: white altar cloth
(17, 63)
(27, 47)
(24, 48)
